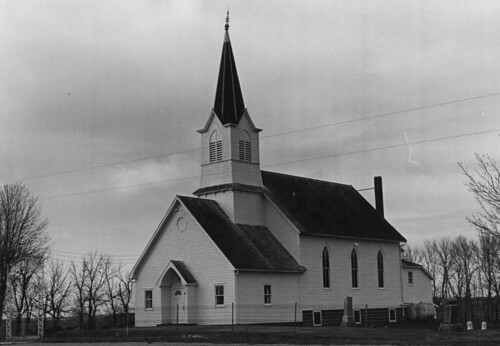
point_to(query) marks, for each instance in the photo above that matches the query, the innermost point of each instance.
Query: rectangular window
(357, 316)
(317, 318)
(392, 315)
(267, 294)
(410, 278)
(219, 295)
(148, 299)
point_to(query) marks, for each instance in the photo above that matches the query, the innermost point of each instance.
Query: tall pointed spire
(229, 106)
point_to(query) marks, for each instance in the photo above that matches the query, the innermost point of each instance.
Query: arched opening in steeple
(245, 147)
(215, 147)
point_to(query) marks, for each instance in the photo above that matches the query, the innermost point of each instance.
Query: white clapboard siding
(203, 259)
(420, 290)
(250, 307)
(368, 292)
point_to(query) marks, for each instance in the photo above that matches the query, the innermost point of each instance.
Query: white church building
(254, 246)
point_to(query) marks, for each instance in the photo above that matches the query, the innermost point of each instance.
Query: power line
(281, 163)
(345, 122)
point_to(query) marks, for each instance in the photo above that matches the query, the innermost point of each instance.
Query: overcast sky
(101, 100)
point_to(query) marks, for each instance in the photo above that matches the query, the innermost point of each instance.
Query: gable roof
(248, 248)
(319, 207)
(412, 265)
(187, 278)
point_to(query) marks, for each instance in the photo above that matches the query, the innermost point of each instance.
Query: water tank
(425, 311)
(412, 312)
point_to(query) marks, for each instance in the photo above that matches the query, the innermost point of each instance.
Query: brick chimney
(379, 196)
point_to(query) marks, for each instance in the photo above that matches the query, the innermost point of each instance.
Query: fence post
(366, 320)
(177, 317)
(295, 320)
(232, 317)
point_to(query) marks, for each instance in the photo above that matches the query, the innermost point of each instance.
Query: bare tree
(22, 231)
(23, 281)
(464, 265)
(79, 279)
(443, 248)
(57, 291)
(484, 183)
(430, 261)
(125, 292)
(94, 265)
(111, 287)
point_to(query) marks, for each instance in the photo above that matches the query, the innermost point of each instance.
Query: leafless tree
(430, 261)
(57, 291)
(464, 265)
(488, 253)
(23, 281)
(79, 279)
(443, 248)
(484, 183)
(125, 292)
(22, 231)
(94, 266)
(111, 288)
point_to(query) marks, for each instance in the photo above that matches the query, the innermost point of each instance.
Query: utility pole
(8, 322)
(41, 301)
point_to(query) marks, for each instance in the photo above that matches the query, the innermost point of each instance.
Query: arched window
(215, 147)
(245, 147)
(380, 267)
(326, 268)
(354, 268)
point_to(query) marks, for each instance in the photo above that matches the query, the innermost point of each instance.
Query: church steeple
(229, 106)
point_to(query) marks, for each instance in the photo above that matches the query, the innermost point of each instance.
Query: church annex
(254, 246)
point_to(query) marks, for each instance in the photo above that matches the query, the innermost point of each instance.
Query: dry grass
(252, 334)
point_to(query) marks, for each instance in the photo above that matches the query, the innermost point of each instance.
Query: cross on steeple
(227, 21)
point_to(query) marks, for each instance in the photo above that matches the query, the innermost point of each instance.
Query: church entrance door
(178, 299)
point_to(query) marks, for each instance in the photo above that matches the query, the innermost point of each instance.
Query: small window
(267, 294)
(380, 267)
(317, 318)
(410, 278)
(354, 268)
(357, 316)
(215, 148)
(245, 148)
(392, 315)
(326, 268)
(148, 299)
(219, 295)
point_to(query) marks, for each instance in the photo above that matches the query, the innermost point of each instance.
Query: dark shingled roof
(228, 106)
(323, 208)
(185, 273)
(248, 248)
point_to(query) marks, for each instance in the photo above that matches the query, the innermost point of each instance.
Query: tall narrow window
(326, 268)
(215, 148)
(245, 148)
(354, 268)
(267, 294)
(410, 278)
(148, 299)
(380, 267)
(219, 295)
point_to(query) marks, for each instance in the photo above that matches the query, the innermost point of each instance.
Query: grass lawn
(410, 334)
